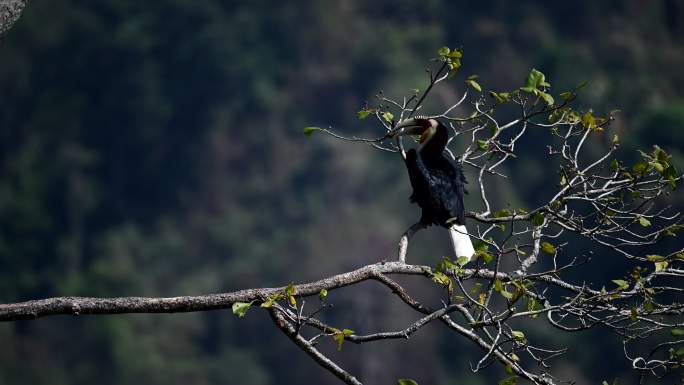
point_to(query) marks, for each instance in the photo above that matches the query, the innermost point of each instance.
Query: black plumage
(437, 180)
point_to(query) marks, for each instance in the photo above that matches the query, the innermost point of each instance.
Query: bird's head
(423, 127)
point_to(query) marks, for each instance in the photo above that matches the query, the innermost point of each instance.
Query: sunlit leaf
(240, 308)
(568, 96)
(363, 114)
(538, 219)
(323, 293)
(443, 51)
(462, 260)
(310, 130)
(548, 248)
(518, 335)
(622, 284)
(502, 213)
(639, 167)
(661, 265)
(644, 222)
(547, 98)
(474, 84)
(535, 79)
(406, 381)
(614, 165)
(388, 116)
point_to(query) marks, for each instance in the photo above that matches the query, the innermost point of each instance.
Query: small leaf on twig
(622, 284)
(310, 130)
(548, 248)
(240, 308)
(363, 114)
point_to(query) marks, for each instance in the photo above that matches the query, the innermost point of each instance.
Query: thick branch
(88, 305)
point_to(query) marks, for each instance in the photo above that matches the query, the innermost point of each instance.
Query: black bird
(437, 180)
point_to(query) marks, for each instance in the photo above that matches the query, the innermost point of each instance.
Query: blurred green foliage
(154, 148)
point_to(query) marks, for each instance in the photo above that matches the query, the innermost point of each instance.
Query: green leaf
(388, 116)
(622, 284)
(446, 265)
(588, 120)
(310, 130)
(548, 248)
(502, 213)
(529, 90)
(484, 255)
(547, 98)
(518, 335)
(672, 230)
(482, 144)
(644, 222)
(498, 286)
(363, 114)
(268, 303)
(323, 293)
(462, 260)
(648, 306)
(406, 381)
(655, 258)
(456, 53)
(501, 97)
(443, 279)
(639, 167)
(240, 308)
(535, 79)
(568, 96)
(480, 245)
(614, 165)
(633, 314)
(443, 51)
(677, 332)
(661, 265)
(339, 338)
(474, 84)
(512, 380)
(506, 294)
(538, 219)
(658, 166)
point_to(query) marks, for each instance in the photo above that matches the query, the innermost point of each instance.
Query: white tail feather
(461, 242)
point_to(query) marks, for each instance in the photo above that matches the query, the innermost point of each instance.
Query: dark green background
(154, 148)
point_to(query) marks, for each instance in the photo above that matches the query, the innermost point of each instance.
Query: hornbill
(437, 181)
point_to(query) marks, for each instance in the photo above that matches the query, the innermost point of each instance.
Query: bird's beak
(408, 127)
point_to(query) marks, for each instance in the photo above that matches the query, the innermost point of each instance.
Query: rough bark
(10, 10)
(89, 305)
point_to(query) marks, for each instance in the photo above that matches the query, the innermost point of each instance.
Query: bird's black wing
(437, 188)
(416, 177)
(447, 188)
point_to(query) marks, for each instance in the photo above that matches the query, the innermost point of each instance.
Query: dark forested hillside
(155, 149)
